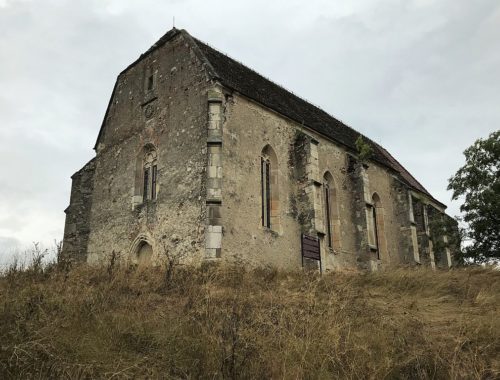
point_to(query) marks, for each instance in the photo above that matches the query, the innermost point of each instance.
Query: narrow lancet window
(331, 219)
(374, 230)
(146, 183)
(150, 177)
(328, 215)
(376, 233)
(269, 189)
(151, 82)
(153, 182)
(266, 192)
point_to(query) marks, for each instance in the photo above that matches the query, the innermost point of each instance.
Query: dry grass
(233, 323)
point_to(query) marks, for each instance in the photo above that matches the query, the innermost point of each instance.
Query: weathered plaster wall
(171, 117)
(396, 234)
(248, 127)
(246, 131)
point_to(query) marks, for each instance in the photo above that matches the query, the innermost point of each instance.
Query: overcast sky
(420, 77)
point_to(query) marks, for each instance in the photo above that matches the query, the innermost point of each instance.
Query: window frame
(145, 186)
(266, 192)
(154, 177)
(150, 177)
(376, 245)
(150, 82)
(328, 219)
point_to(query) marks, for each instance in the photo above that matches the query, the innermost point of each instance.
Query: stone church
(201, 157)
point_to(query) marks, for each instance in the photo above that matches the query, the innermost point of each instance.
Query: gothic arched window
(376, 228)
(331, 219)
(269, 188)
(150, 175)
(328, 210)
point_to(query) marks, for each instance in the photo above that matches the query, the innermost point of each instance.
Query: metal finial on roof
(173, 22)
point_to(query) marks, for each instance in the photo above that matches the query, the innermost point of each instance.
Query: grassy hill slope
(234, 323)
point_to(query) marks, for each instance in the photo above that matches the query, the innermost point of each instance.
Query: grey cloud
(419, 77)
(7, 243)
(9, 246)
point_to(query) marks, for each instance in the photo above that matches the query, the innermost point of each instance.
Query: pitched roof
(236, 76)
(249, 83)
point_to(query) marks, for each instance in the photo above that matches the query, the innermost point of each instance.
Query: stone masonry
(201, 158)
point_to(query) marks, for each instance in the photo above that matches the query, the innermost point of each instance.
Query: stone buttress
(213, 232)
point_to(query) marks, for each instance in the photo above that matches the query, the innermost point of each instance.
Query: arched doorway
(144, 253)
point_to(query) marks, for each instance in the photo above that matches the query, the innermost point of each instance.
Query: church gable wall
(157, 117)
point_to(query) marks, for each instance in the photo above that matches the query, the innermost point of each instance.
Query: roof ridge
(193, 41)
(319, 108)
(161, 41)
(326, 113)
(248, 82)
(255, 86)
(197, 40)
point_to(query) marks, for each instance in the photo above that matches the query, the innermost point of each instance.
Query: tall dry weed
(231, 322)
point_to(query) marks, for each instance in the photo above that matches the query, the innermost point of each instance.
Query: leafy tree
(478, 182)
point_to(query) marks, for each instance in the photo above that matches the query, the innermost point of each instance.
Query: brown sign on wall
(310, 247)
